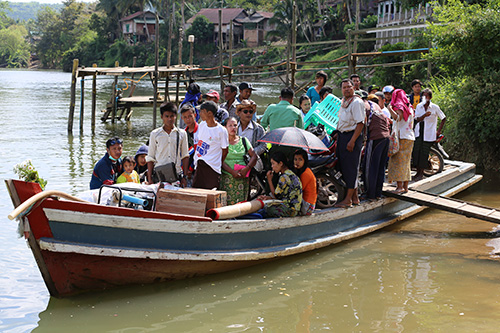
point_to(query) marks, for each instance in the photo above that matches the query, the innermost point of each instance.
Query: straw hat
(245, 104)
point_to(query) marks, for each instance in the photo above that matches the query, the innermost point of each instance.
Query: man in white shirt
(168, 144)
(350, 125)
(426, 118)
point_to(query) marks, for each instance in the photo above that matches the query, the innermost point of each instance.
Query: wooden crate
(184, 203)
(215, 199)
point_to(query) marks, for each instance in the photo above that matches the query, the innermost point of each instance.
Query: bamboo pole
(349, 52)
(73, 96)
(356, 25)
(169, 44)
(221, 69)
(230, 63)
(82, 101)
(94, 101)
(294, 41)
(115, 102)
(157, 56)
(181, 37)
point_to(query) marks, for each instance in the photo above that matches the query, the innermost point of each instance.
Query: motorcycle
(437, 155)
(330, 186)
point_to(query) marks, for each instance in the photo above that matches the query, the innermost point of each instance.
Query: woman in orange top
(308, 180)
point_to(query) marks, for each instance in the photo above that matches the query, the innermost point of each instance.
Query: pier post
(169, 44)
(293, 65)
(181, 37)
(230, 63)
(221, 69)
(157, 56)
(115, 104)
(349, 53)
(94, 99)
(82, 101)
(73, 96)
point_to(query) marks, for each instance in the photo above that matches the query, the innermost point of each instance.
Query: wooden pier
(448, 204)
(172, 86)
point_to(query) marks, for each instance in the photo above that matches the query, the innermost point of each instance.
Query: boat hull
(81, 247)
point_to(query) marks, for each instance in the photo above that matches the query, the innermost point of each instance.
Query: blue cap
(143, 150)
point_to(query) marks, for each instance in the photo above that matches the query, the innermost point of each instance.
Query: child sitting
(308, 180)
(129, 175)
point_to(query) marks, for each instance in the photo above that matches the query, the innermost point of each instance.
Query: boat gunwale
(247, 254)
(153, 223)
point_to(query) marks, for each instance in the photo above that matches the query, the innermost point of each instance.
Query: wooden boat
(83, 246)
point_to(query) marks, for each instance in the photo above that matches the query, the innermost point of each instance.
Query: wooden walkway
(448, 204)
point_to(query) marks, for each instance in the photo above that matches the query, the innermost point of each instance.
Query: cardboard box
(184, 203)
(215, 199)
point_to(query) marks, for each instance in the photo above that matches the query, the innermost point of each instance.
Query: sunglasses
(114, 142)
(247, 111)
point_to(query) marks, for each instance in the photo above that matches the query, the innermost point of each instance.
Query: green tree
(467, 52)
(14, 50)
(202, 28)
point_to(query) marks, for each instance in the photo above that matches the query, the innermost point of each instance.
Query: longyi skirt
(399, 169)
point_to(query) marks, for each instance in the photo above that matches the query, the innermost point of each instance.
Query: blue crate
(326, 113)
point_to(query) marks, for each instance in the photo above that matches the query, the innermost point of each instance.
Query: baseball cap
(373, 87)
(212, 93)
(388, 89)
(361, 93)
(246, 85)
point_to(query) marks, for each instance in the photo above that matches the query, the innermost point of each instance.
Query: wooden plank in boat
(215, 199)
(181, 202)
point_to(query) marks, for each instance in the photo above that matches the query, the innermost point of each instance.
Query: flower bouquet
(28, 173)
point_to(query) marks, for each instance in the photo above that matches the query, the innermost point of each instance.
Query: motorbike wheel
(436, 163)
(256, 187)
(330, 191)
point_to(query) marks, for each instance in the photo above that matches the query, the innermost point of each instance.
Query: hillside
(24, 11)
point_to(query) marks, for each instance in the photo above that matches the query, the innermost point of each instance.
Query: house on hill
(250, 27)
(139, 27)
(255, 27)
(393, 18)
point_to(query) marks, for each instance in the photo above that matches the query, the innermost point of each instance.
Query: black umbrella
(294, 137)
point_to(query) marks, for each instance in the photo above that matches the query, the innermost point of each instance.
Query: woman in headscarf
(399, 164)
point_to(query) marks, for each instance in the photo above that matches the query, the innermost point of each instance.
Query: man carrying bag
(168, 157)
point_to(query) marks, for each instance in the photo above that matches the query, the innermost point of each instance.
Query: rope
(26, 206)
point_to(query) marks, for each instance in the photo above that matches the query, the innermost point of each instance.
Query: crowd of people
(216, 146)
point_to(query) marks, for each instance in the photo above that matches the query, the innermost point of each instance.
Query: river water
(434, 272)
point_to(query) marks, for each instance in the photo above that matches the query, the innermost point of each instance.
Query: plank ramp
(452, 205)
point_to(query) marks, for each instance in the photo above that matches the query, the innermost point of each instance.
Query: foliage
(25, 11)
(202, 29)
(14, 50)
(468, 55)
(473, 126)
(27, 172)
(466, 35)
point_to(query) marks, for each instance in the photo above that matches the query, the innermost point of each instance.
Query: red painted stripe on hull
(74, 273)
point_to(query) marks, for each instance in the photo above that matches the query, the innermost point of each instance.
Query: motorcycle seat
(316, 160)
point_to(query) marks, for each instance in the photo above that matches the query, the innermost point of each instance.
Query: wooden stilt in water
(73, 96)
(94, 100)
(82, 102)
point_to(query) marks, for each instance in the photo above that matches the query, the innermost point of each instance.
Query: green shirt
(280, 115)
(236, 152)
